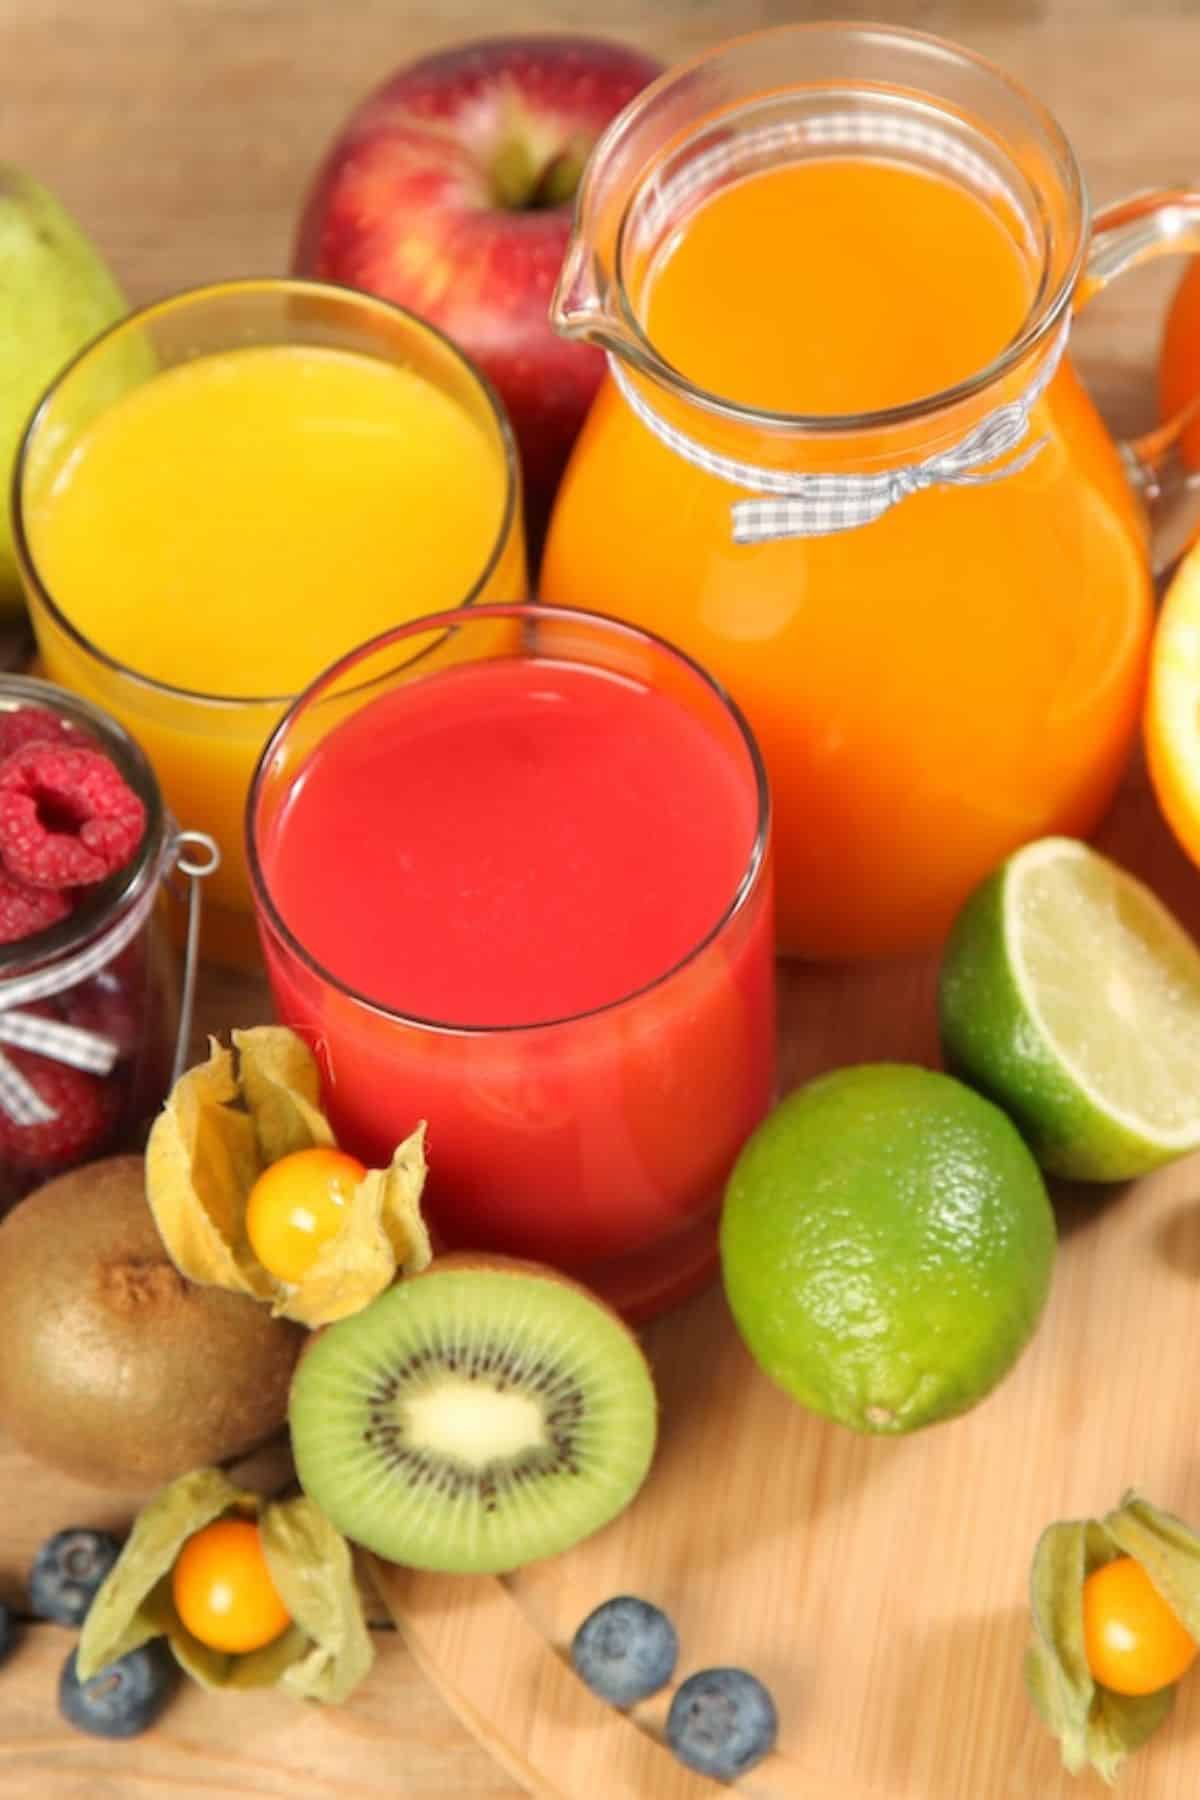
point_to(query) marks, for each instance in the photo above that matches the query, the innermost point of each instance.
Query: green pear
(55, 295)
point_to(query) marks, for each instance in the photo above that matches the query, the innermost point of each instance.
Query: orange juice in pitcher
(843, 460)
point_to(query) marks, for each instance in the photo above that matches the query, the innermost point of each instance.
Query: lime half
(1071, 996)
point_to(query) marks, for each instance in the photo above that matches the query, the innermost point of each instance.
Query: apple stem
(559, 179)
(519, 185)
(514, 177)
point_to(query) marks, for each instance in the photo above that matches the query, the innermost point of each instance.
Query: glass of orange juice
(229, 490)
(843, 460)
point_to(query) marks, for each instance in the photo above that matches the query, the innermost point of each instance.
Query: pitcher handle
(1163, 222)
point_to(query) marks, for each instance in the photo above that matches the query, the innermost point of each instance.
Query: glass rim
(530, 612)
(119, 891)
(1045, 311)
(189, 296)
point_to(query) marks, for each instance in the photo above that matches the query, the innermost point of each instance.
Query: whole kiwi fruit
(113, 1367)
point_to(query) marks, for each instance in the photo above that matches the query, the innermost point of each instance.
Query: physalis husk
(325, 1651)
(1095, 1727)
(224, 1122)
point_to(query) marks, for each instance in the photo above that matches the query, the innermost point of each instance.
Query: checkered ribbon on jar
(817, 505)
(89, 1050)
(805, 505)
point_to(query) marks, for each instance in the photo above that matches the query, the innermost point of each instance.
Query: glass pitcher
(843, 459)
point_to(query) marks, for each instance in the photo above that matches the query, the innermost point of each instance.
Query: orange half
(1173, 706)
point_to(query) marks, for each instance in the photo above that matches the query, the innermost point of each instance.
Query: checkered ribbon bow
(799, 505)
(89, 1050)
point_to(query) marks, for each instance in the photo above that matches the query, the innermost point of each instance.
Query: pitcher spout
(579, 308)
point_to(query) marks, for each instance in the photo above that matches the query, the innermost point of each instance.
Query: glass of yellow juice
(229, 490)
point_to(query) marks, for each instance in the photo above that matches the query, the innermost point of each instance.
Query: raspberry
(24, 910)
(84, 1107)
(67, 818)
(36, 725)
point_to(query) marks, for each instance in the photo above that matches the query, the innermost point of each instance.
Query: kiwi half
(473, 1418)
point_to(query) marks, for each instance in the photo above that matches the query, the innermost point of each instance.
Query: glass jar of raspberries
(90, 1014)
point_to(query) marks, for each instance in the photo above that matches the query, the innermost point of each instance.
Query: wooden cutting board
(878, 1587)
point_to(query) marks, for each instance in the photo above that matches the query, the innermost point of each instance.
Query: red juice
(514, 883)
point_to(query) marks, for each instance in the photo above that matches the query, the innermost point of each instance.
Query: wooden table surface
(181, 133)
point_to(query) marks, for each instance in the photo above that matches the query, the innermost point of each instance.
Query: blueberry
(66, 1572)
(122, 1699)
(721, 1722)
(625, 1650)
(6, 1631)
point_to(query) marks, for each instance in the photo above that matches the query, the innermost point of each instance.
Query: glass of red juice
(512, 876)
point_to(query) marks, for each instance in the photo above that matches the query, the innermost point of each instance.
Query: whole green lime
(886, 1245)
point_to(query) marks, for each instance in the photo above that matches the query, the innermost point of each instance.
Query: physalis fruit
(223, 1589)
(1116, 1615)
(231, 1209)
(1135, 1644)
(247, 1592)
(297, 1205)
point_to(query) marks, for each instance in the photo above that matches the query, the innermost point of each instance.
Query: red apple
(449, 190)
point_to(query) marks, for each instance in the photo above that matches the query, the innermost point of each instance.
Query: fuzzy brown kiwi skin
(113, 1368)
